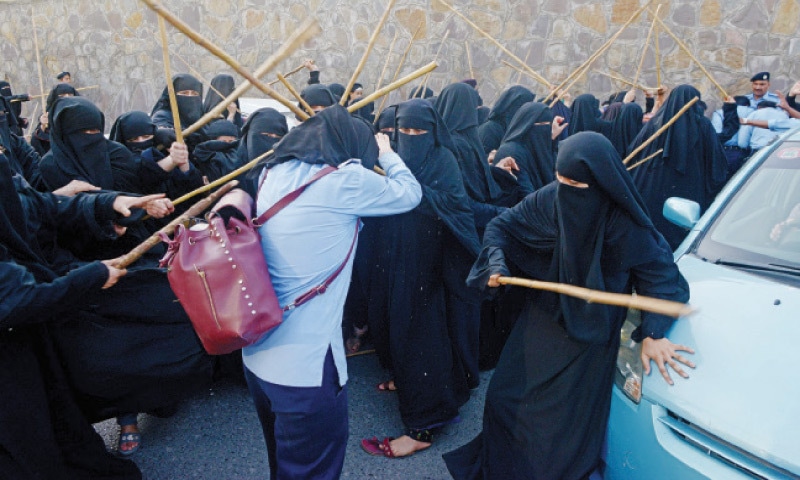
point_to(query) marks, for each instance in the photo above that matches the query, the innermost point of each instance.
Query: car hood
(746, 387)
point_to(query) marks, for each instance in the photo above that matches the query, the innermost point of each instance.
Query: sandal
(373, 447)
(132, 437)
(387, 386)
(353, 344)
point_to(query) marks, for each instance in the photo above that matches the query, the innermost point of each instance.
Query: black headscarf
(611, 112)
(5, 91)
(585, 115)
(330, 137)
(8, 122)
(457, 105)
(492, 132)
(419, 92)
(131, 125)
(430, 158)
(254, 142)
(224, 84)
(190, 108)
(337, 89)
(531, 146)
(583, 216)
(627, 125)
(318, 95)
(64, 89)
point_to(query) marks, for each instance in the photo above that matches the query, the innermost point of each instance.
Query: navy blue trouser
(305, 427)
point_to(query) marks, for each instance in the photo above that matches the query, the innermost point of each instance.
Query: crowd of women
(525, 187)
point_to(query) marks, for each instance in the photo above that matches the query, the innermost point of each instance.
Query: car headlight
(628, 376)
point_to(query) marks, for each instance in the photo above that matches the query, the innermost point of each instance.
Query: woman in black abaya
(225, 85)
(548, 402)
(408, 290)
(691, 166)
(626, 126)
(263, 129)
(491, 133)
(40, 140)
(585, 116)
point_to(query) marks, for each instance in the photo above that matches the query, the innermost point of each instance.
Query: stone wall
(115, 43)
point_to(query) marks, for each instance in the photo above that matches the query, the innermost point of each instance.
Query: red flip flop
(373, 447)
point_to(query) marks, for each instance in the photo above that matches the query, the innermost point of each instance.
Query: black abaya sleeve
(28, 160)
(730, 122)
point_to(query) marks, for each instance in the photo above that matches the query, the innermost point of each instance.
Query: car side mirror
(682, 212)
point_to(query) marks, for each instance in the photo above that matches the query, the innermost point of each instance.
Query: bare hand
(490, 157)
(558, 126)
(664, 352)
(43, 119)
(232, 109)
(630, 96)
(384, 145)
(309, 64)
(159, 208)
(508, 164)
(179, 154)
(730, 99)
(493, 281)
(782, 103)
(123, 204)
(75, 187)
(119, 230)
(114, 273)
(795, 90)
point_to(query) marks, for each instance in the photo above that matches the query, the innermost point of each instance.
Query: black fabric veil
(627, 125)
(492, 132)
(190, 109)
(531, 145)
(225, 85)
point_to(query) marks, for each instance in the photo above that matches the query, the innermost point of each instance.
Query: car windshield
(759, 228)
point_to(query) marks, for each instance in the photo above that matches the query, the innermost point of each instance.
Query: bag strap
(289, 197)
(323, 287)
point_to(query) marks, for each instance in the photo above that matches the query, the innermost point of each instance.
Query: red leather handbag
(218, 272)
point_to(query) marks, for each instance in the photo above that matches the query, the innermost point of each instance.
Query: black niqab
(131, 125)
(492, 132)
(585, 115)
(225, 85)
(254, 141)
(59, 91)
(190, 108)
(531, 145)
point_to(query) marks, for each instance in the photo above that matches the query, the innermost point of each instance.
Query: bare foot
(387, 386)
(129, 440)
(405, 445)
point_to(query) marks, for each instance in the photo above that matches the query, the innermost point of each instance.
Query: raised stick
(287, 74)
(352, 108)
(647, 304)
(658, 60)
(157, 7)
(154, 239)
(646, 44)
(296, 94)
(399, 67)
(519, 71)
(660, 130)
(649, 157)
(688, 52)
(514, 67)
(478, 29)
(386, 63)
(585, 65)
(38, 60)
(469, 60)
(44, 95)
(363, 61)
(626, 82)
(173, 102)
(306, 31)
(436, 58)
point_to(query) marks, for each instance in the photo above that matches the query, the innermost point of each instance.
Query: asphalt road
(216, 434)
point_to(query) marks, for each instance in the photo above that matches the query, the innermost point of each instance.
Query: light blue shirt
(717, 119)
(303, 245)
(769, 96)
(756, 137)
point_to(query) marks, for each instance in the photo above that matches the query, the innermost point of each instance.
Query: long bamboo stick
(296, 94)
(363, 61)
(154, 239)
(352, 108)
(658, 59)
(157, 7)
(660, 130)
(646, 159)
(379, 83)
(519, 72)
(585, 65)
(469, 60)
(626, 82)
(691, 55)
(648, 304)
(646, 45)
(38, 59)
(514, 67)
(478, 29)
(436, 58)
(399, 68)
(303, 33)
(287, 74)
(44, 95)
(173, 101)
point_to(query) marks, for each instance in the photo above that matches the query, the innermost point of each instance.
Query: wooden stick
(469, 60)
(689, 53)
(154, 239)
(436, 58)
(647, 304)
(386, 63)
(296, 94)
(44, 95)
(352, 108)
(38, 60)
(306, 31)
(478, 29)
(649, 157)
(660, 130)
(514, 67)
(626, 82)
(646, 44)
(173, 102)
(585, 65)
(399, 67)
(658, 59)
(287, 74)
(157, 7)
(32, 123)
(363, 61)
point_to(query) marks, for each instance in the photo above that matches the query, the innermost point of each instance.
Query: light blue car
(738, 416)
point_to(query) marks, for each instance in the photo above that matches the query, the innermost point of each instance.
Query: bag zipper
(202, 276)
